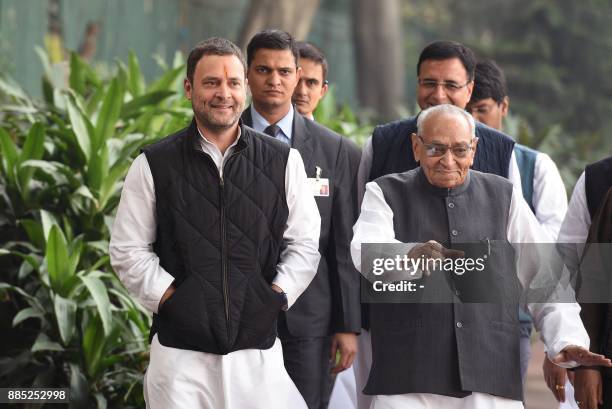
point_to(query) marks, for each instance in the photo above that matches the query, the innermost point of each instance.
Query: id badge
(319, 187)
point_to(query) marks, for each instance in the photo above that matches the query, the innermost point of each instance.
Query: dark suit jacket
(331, 302)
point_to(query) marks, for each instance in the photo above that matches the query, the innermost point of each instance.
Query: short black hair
(445, 50)
(489, 82)
(310, 52)
(271, 40)
(212, 46)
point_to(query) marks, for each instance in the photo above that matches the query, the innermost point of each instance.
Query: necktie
(271, 130)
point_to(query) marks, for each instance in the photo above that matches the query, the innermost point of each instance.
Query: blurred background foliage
(66, 141)
(65, 317)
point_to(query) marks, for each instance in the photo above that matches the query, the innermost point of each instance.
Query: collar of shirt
(285, 124)
(214, 152)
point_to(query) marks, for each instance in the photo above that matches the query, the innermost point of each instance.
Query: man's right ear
(187, 87)
(416, 148)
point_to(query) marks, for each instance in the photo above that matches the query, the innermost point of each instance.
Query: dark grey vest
(450, 349)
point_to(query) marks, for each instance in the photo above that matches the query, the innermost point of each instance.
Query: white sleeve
(375, 223)
(365, 167)
(575, 226)
(514, 175)
(300, 256)
(559, 323)
(133, 234)
(549, 197)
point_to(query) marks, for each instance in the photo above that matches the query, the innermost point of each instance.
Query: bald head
(445, 145)
(430, 114)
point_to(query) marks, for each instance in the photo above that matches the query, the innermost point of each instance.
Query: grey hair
(446, 109)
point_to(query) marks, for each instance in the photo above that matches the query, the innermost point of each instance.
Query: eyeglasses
(449, 86)
(435, 150)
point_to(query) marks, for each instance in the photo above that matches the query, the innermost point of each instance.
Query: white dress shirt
(134, 232)
(549, 197)
(559, 323)
(285, 124)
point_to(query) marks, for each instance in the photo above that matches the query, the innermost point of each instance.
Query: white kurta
(560, 324)
(250, 378)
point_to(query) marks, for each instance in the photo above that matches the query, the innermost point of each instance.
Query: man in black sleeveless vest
(445, 72)
(215, 234)
(326, 319)
(589, 220)
(457, 355)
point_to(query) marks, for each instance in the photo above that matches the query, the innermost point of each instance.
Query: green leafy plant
(342, 119)
(67, 320)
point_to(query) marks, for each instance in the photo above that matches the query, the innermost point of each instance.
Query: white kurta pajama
(560, 324)
(182, 379)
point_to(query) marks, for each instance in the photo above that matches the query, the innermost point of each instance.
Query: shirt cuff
(160, 287)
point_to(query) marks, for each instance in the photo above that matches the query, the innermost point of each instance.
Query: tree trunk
(287, 15)
(379, 56)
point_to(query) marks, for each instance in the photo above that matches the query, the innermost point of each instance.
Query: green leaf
(98, 292)
(75, 250)
(77, 74)
(79, 387)
(65, 314)
(48, 220)
(10, 155)
(109, 114)
(57, 260)
(43, 343)
(27, 313)
(93, 345)
(97, 169)
(33, 149)
(145, 101)
(34, 231)
(135, 80)
(79, 126)
(167, 80)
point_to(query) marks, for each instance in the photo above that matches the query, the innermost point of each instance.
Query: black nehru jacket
(220, 239)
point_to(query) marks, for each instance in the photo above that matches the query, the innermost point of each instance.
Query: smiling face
(218, 91)
(311, 87)
(446, 171)
(451, 72)
(273, 75)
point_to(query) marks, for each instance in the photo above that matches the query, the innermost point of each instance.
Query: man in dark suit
(327, 318)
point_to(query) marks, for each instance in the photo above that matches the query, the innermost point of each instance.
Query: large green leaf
(33, 149)
(57, 260)
(136, 82)
(27, 313)
(98, 292)
(167, 80)
(146, 101)
(65, 315)
(43, 343)
(10, 155)
(77, 74)
(79, 126)
(93, 346)
(109, 113)
(97, 169)
(48, 220)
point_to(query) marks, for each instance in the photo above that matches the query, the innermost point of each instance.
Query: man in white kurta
(182, 377)
(443, 129)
